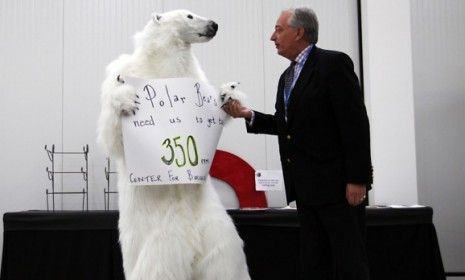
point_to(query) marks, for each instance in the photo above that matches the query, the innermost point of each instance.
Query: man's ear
(300, 33)
(156, 18)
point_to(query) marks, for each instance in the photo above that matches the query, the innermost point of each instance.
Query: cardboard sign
(173, 136)
(269, 180)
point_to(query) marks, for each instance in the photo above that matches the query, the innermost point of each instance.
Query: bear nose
(214, 25)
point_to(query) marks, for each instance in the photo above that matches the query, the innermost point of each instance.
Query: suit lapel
(280, 98)
(304, 78)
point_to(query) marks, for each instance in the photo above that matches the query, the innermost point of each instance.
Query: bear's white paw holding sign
(176, 232)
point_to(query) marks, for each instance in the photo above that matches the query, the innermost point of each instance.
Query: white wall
(413, 64)
(438, 43)
(53, 55)
(387, 57)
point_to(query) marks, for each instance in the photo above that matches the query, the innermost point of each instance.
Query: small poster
(173, 136)
(269, 180)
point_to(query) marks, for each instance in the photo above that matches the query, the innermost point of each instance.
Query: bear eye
(190, 16)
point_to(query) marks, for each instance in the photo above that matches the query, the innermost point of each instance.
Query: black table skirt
(402, 244)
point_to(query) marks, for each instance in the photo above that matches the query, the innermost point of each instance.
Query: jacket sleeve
(351, 116)
(263, 124)
(267, 123)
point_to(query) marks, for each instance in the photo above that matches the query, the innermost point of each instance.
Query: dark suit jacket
(325, 143)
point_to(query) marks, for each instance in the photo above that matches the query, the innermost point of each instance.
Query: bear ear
(156, 18)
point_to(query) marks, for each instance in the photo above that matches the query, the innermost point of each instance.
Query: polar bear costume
(176, 232)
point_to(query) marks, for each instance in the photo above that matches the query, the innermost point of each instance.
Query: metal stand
(51, 176)
(107, 191)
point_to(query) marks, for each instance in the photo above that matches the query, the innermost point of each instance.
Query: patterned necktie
(288, 79)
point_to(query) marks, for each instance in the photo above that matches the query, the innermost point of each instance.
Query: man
(324, 144)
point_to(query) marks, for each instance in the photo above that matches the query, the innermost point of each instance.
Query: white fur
(177, 232)
(229, 91)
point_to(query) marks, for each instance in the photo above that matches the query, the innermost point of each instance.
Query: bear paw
(229, 91)
(125, 99)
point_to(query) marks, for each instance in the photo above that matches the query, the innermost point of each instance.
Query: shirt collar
(303, 55)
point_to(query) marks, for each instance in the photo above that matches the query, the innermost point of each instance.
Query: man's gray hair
(306, 18)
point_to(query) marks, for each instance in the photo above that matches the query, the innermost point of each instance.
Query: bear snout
(213, 25)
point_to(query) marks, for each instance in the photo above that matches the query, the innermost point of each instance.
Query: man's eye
(190, 16)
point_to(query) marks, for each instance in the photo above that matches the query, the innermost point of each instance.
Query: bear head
(181, 26)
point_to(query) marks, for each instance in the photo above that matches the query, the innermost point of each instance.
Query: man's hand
(355, 194)
(236, 110)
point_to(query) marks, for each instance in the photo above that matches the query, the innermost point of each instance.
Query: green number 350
(189, 153)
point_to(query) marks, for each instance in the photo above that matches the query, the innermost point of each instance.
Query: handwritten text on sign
(173, 136)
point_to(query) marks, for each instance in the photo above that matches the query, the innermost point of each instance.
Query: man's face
(285, 37)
